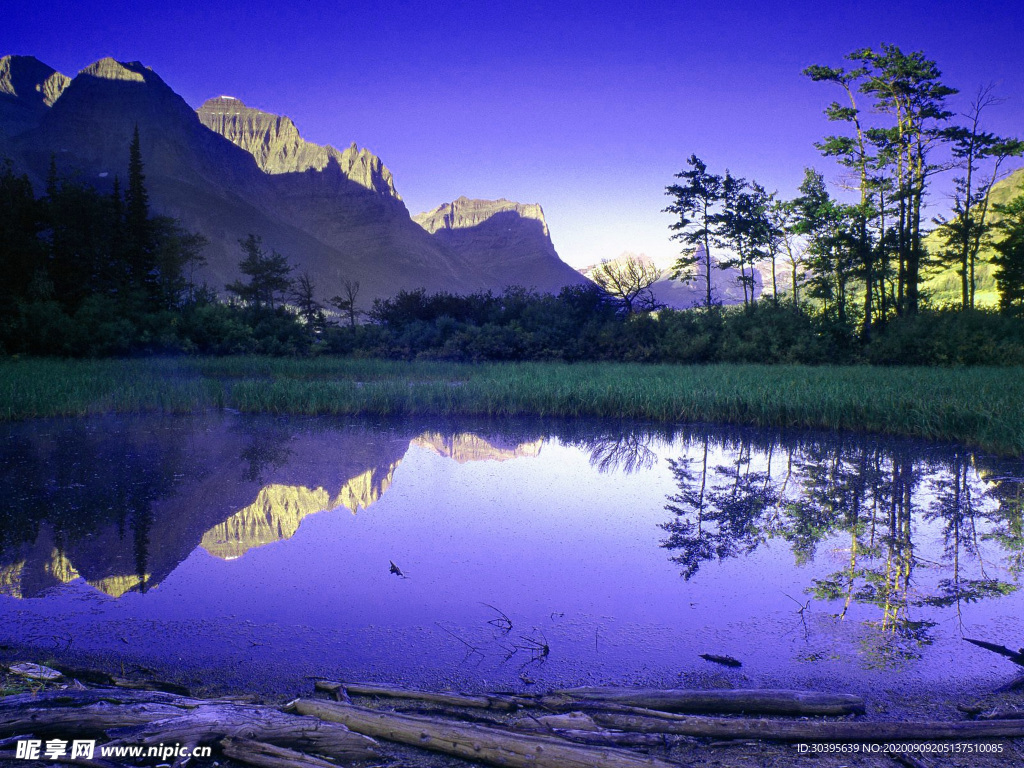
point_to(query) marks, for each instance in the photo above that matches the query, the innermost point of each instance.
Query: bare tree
(628, 283)
(310, 310)
(346, 302)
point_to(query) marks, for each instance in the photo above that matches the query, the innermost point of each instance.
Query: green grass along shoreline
(980, 407)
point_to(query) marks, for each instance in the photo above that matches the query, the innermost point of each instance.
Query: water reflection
(871, 501)
(826, 549)
(121, 503)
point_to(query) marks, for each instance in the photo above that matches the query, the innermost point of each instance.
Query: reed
(983, 407)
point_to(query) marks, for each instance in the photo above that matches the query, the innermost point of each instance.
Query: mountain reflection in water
(841, 550)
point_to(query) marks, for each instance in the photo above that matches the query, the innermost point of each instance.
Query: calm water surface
(257, 551)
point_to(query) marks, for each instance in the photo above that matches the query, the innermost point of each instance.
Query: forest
(827, 277)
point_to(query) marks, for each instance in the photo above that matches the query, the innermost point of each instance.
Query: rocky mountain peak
(30, 81)
(465, 213)
(502, 238)
(111, 69)
(274, 141)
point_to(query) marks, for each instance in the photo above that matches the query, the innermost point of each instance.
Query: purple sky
(589, 113)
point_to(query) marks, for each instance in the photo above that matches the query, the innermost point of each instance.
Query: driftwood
(268, 756)
(1015, 685)
(904, 758)
(612, 738)
(1017, 657)
(209, 722)
(10, 758)
(152, 717)
(806, 730)
(96, 677)
(764, 702)
(582, 729)
(87, 696)
(501, 703)
(474, 742)
(1002, 714)
(87, 720)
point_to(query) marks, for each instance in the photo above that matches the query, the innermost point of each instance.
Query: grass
(983, 407)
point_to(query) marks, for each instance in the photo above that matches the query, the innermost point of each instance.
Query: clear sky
(586, 108)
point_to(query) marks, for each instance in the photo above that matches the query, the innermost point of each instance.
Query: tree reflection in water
(871, 501)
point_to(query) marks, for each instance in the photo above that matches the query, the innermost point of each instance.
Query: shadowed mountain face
(229, 171)
(507, 241)
(28, 88)
(158, 493)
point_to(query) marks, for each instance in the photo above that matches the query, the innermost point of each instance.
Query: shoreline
(976, 407)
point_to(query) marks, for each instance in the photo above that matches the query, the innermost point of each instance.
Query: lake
(257, 552)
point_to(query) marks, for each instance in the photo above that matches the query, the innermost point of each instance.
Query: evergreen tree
(142, 271)
(853, 153)
(268, 275)
(1009, 260)
(969, 229)
(830, 244)
(696, 202)
(21, 255)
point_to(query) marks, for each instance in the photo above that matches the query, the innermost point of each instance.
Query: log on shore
(71, 698)
(500, 703)
(1002, 714)
(268, 756)
(807, 730)
(88, 719)
(208, 723)
(729, 701)
(475, 742)
(580, 727)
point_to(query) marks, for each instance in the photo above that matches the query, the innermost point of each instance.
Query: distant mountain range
(679, 294)
(228, 170)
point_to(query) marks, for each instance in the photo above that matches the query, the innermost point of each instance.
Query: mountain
(27, 89)
(230, 170)
(677, 294)
(275, 144)
(506, 240)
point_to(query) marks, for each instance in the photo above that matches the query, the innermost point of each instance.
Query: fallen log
(1002, 714)
(96, 677)
(209, 722)
(1017, 657)
(268, 756)
(574, 721)
(10, 758)
(1015, 685)
(904, 758)
(729, 701)
(88, 696)
(152, 717)
(612, 738)
(474, 742)
(87, 720)
(501, 703)
(807, 730)
(579, 727)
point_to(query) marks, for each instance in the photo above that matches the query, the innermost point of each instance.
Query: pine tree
(696, 202)
(268, 275)
(142, 273)
(1009, 260)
